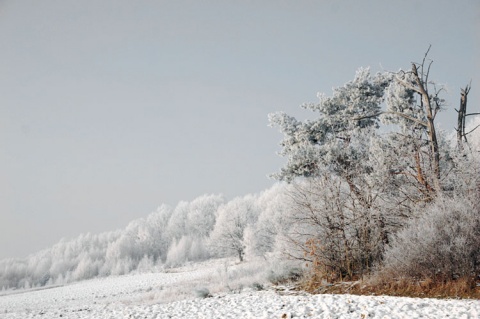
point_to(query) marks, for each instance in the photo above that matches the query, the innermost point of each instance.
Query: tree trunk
(432, 134)
(462, 113)
(240, 254)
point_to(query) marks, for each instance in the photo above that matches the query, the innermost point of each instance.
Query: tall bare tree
(431, 103)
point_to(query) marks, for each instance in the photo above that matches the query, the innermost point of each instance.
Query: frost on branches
(369, 163)
(332, 142)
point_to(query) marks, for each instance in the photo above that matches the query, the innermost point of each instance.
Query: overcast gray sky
(110, 108)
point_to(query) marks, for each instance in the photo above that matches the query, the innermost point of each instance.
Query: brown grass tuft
(432, 288)
(464, 288)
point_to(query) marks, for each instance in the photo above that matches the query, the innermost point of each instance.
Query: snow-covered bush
(202, 293)
(442, 242)
(335, 234)
(282, 271)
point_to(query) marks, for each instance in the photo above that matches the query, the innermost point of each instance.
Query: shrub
(441, 244)
(336, 234)
(202, 293)
(258, 287)
(284, 272)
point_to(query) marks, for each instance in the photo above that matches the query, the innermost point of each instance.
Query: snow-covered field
(180, 293)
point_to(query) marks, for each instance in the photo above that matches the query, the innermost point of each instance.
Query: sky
(109, 109)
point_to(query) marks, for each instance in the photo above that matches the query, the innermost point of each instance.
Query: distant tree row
(206, 227)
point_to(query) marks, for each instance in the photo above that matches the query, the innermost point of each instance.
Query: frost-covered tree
(373, 147)
(339, 139)
(186, 249)
(202, 214)
(189, 227)
(142, 237)
(334, 140)
(176, 227)
(195, 218)
(268, 234)
(336, 146)
(413, 102)
(234, 217)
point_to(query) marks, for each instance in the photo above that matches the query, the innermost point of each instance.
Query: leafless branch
(471, 130)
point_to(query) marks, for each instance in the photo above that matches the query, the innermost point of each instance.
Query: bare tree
(430, 103)
(462, 115)
(416, 82)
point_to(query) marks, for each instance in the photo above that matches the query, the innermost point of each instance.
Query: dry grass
(458, 288)
(464, 288)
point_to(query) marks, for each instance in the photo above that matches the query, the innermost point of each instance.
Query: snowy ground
(178, 294)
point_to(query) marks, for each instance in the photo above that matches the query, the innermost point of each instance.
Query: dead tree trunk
(422, 89)
(462, 114)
